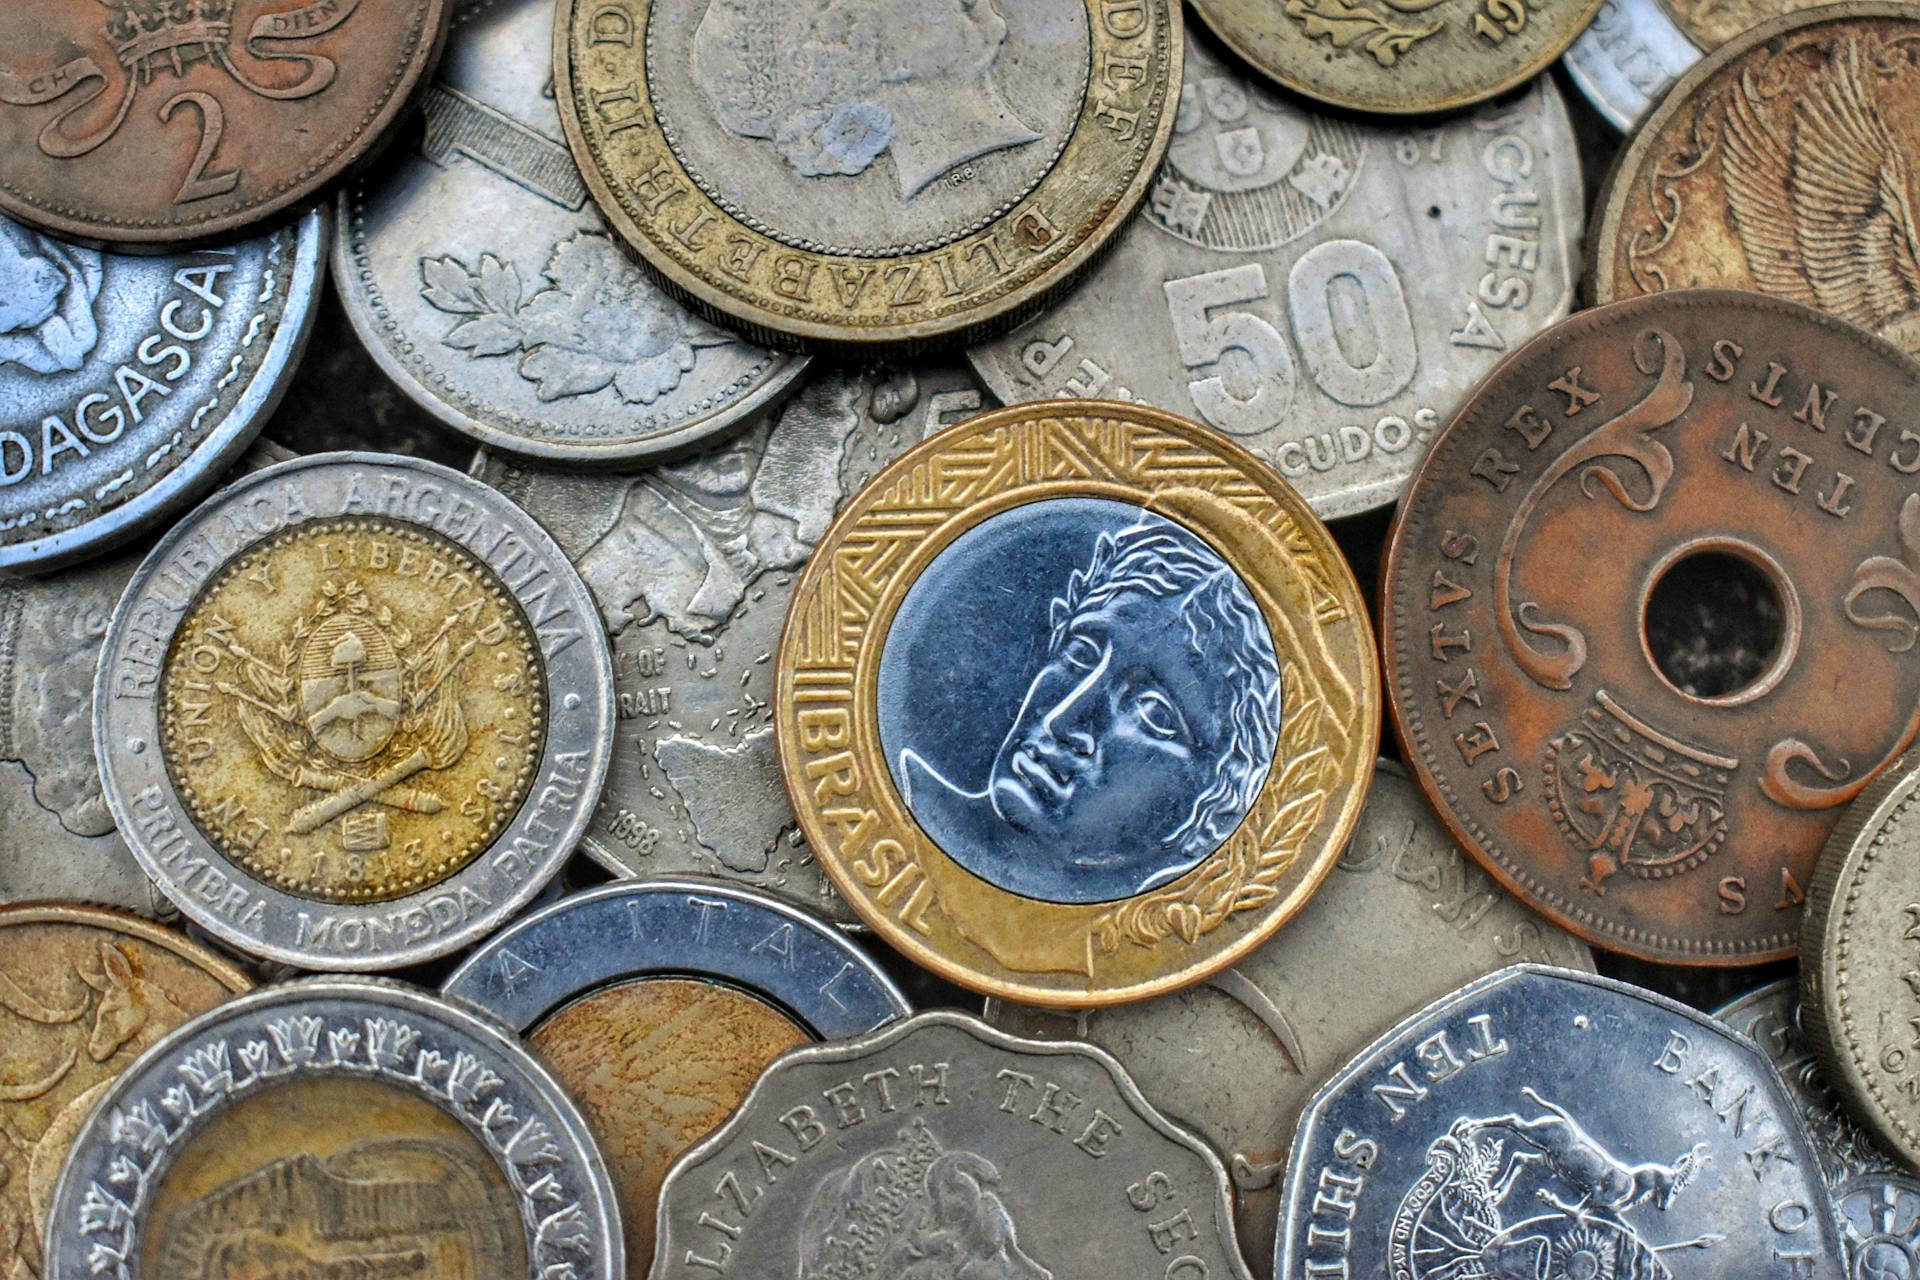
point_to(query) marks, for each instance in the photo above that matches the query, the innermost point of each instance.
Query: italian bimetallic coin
(159, 123)
(480, 275)
(657, 1004)
(1774, 165)
(1261, 288)
(1629, 463)
(1236, 1058)
(354, 712)
(1398, 57)
(855, 172)
(693, 565)
(83, 993)
(1077, 703)
(128, 384)
(941, 1147)
(1552, 1125)
(336, 1127)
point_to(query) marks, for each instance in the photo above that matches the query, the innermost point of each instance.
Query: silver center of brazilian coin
(1628, 58)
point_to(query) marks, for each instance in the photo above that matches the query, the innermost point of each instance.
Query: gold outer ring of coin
(981, 283)
(914, 894)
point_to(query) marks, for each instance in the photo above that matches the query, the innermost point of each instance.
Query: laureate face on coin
(943, 1150)
(1766, 168)
(83, 993)
(1076, 703)
(354, 712)
(657, 1004)
(129, 384)
(1268, 252)
(335, 1127)
(859, 172)
(1548, 1124)
(1542, 648)
(484, 282)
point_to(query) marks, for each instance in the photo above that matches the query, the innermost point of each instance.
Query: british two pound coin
(129, 384)
(1077, 703)
(855, 173)
(941, 1147)
(693, 564)
(1656, 777)
(1324, 290)
(1541, 1123)
(657, 1003)
(1404, 919)
(481, 277)
(335, 1126)
(354, 712)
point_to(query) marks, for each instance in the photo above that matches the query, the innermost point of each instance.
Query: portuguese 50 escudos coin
(354, 712)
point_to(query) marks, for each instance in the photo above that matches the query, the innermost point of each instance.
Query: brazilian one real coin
(1078, 703)
(354, 712)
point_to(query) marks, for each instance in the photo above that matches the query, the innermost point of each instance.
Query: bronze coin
(1631, 462)
(155, 123)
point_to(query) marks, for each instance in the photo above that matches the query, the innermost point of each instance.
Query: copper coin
(154, 123)
(1653, 772)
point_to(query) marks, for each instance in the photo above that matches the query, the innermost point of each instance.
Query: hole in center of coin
(1715, 622)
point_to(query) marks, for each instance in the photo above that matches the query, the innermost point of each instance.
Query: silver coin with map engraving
(941, 1149)
(1628, 58)
(1549, 1125)
(1405, 919)
(480, 275)
(693, 565)
(1324, 290)
(130, 383)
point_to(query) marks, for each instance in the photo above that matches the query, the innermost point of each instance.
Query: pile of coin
(959, 640)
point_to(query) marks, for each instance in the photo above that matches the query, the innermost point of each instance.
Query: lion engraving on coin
(47, 294)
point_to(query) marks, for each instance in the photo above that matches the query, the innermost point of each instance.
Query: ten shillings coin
(853, 172)
(336, 1127)
(1548, 1124)
(354, 712)
(658, 1003)
(941, 1147)
(1656, 777)
(1077, 703)
(1261, 291)
(155, 123)
(482, 279)
(1767, 167)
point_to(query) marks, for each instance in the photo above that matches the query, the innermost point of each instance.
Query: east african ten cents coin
(1615, 472)
(857, 172)
(1773, 165)
(155, 123)
(1077, 703)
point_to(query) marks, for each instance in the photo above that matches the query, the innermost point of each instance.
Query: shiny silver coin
(1541, 1123)
(693, 565)
(337, 1127)
(1323, 290)
(481, 277)
(1628, 58)
(941, 1147)
(129, 384)
(1406, 919)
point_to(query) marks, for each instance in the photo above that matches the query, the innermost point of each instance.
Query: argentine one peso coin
(657, 1004)
(1262, 292)
(1554, 1125)
(335, 1127)
(128, 384)
(941, 1147)
(484, 282)
(1077, 703)
(856, 172)
(354, 712)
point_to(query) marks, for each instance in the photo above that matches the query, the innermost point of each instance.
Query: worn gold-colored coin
(1076, 703)
(83, 992)
(854, 172)
(1399, 56)
(1781, 163)
(1711, 23)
